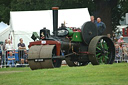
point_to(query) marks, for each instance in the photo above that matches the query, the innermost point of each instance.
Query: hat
(121, 36)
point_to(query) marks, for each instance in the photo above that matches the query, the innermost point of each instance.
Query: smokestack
(55, 20)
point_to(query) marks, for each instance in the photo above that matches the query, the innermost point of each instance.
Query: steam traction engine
(77, 46)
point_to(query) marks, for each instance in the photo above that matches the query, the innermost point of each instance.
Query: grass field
(115, 74)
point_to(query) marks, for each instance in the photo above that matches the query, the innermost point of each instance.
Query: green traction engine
(77, 46)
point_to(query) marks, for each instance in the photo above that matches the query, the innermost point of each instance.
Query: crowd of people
(8, 56)
(121, 47)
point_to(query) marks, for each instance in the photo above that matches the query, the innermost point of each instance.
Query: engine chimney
(55, 20)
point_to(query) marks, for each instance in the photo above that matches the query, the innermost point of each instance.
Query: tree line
(110, 11)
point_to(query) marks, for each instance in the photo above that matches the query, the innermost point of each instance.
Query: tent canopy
(3, 26)
(24, 23)
(4, 33)
(36, 20)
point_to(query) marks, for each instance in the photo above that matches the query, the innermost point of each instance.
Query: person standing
(100, 26)
(0, 55)
(25, 57)
(125, 49)
(21, 48)
(21, 45)
(9, 46)
(6, 42)
(4, 52)
(92, 19)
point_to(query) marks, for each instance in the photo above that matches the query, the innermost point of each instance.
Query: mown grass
(115, 74)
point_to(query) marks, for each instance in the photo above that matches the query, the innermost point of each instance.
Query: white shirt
(9, 46)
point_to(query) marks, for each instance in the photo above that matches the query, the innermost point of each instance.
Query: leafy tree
(110, 11)
(5, 10)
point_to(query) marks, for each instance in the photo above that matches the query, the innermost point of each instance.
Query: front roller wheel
(102, 50)
(40, 57)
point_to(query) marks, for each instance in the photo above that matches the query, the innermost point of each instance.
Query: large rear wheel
(102, 50)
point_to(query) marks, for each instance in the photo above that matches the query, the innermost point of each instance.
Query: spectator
(100, 26)
(113, 37)
(6, 42)
(0, 50)
(121, 45)
(4, 52)
(92, 19)
(11, 60)
(118, 51)
(0, 54)
(108, 35)
(9, 46)
(25, 57)
(125, 49)
(21, 45)
(21, 48)
(121, 39)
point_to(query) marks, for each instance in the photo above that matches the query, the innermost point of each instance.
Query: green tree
(5, 10)
(110, 11)
(104, 10)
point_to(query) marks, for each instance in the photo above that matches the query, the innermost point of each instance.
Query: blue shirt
(21, 44)
(101, 27)
(11, 57)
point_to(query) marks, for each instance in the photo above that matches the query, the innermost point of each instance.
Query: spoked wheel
(102, 50)
(40, 57)
(72, 63)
